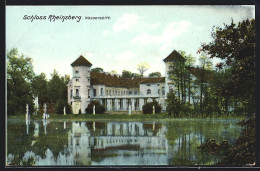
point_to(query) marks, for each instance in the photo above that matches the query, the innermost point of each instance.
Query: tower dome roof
(81, 61)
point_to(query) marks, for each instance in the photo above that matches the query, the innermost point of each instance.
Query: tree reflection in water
(115, 143)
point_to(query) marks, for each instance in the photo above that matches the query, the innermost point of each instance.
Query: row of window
(118, 92)
(150, 92)
(71, 93)
(113, 92)
(77, 80)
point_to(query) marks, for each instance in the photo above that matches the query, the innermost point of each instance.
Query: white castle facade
(114, 92)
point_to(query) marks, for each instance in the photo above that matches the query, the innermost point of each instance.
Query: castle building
(114, 92)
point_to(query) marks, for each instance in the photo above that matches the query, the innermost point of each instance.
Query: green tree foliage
(177, 75)
(99, 109)
(148, 107)
(190, 61)
(128, 74)
(39, 85)
(59, 107)
(97, 69)
(202, 79)
(235, 44)
(155, 74)
(57, 87)
(173, 105)
(19, 76)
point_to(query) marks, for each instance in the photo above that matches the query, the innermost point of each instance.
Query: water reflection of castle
(125, 136)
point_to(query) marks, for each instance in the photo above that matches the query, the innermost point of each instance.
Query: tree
(113, 72)
(205, 65)
(177, 76)
(135, 75)
(173, 104)
(126, 74)
(189, 63)
(19, 76)
(99, 109)
(97, 69)
(39, 86)
(142, 67)
(148, 107)
(57, 87)
(235, 44)
(59, 107)
(129, 74)
(155, 74)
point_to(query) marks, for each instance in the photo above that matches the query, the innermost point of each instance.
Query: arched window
(101, 91)
(148, 91)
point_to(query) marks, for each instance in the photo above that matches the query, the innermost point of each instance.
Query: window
(159, 91)
(88, 93)
(110, 92)
(101, 91)
(94, 92)
(135, 92)
(77, 80)
(88, 79)
(76, 73)
(163, 91)
(107, 92)
(77, 92)
(121, 92)
(130, 92)
(113, 92)
(148, 91)
(71, 94)
(148, 84)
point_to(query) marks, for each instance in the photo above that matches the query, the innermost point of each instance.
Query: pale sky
(133, 34)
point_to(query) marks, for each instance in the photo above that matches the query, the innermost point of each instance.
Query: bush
(99, 109)
(148, 108)
(59, 106)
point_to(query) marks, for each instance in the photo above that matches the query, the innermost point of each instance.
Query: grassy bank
(110, 117)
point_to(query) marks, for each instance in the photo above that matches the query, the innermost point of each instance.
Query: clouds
(134, 34)
(126, 22)
(123, 61)
(172, 31)
(144, 32)
(130, 22)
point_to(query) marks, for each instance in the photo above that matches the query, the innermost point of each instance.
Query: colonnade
(123, 104)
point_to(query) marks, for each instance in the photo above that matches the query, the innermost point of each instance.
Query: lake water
(170, 143)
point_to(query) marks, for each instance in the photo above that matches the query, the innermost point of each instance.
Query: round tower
(174, 56)
(80, 85)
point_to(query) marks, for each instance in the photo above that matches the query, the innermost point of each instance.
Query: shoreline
(117, 117)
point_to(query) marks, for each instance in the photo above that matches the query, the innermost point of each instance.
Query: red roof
(81, 61)
(115, 81)
(174, 56)
(197, 72)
